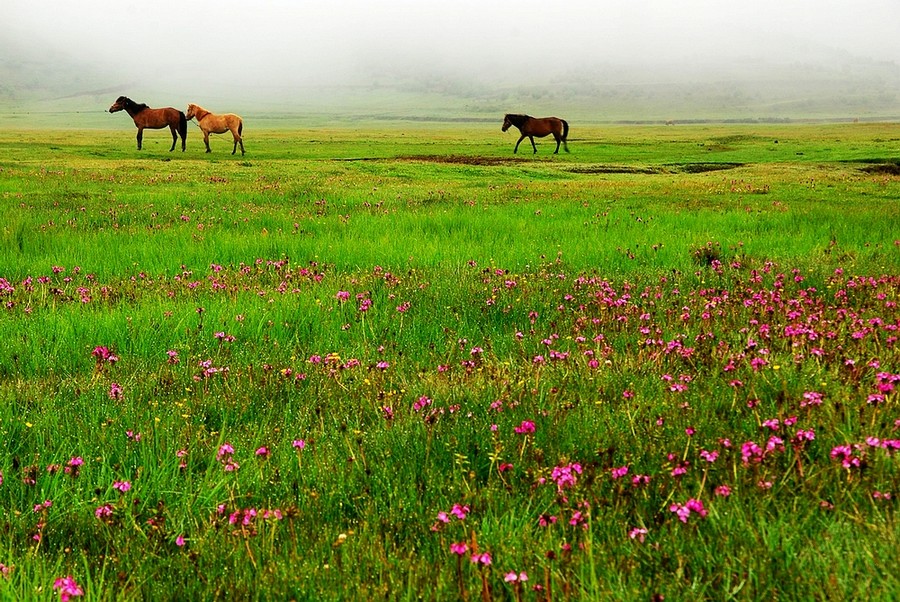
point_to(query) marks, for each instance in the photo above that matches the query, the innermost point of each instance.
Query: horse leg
(558, 140)
(515, 150)
(174, 137)
(140, 137)
(237, 138)
(206, 141)
(532, 144)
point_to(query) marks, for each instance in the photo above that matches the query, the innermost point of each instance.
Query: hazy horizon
(230, 50)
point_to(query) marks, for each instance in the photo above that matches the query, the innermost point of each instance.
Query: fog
(238, 47)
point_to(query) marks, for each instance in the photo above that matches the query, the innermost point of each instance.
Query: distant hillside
(843, 88)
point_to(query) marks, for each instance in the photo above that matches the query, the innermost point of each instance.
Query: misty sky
(270, 42)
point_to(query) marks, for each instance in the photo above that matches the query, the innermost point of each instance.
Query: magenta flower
(459, 548)
(844, 454)
(115, 392)
(709, 456)
(104, 356)
(565, 476)
(772, 424)
(122, 486)
(73, 466)
(459, 511)
(179, 541)
(638, 533)
(512, 577)
(525, 428)
(298, 444)
(692, 506)
(263, 452)
(483, 559)
(67, 588)
(640, 479)
(811, 398)
(751, 452)
(618, 473)
(224, 450)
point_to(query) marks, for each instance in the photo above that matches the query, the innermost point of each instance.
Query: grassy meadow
(394, 361)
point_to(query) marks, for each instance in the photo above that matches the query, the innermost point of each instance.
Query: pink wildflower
(565, 476)
(525, 428)
(692, 506)
(844, 454)
(638, 533)
(811, 398)
(67, 588)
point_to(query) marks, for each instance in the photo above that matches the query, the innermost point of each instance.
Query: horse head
(191, 111)
(506, 123)
(120, 104)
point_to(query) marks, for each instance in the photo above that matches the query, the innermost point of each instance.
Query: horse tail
(565, 134)
(241, 127)
(182, 125)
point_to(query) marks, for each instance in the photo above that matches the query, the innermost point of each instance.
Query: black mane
(130, 105)
(517, 119)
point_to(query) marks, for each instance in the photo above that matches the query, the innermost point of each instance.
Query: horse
(210, 123)
(145, 117)
(532, 126)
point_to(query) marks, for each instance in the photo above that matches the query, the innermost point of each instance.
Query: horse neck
(133, 108)
(200, 112)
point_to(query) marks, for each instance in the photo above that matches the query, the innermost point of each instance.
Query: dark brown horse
(533, 126)
(145, 117)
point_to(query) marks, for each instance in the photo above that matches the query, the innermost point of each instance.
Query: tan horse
(210, 123)
(145, 117)
(538, 126)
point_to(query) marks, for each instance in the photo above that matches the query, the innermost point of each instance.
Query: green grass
(407, 301)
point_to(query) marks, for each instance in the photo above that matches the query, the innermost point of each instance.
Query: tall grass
(287, 377)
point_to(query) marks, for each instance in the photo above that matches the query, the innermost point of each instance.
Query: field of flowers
(295, 378)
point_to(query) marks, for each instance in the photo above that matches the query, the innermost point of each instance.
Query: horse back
(158, 118)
